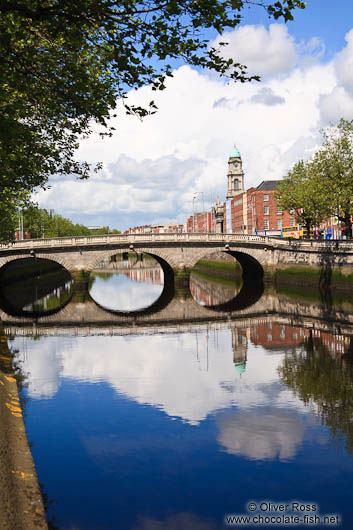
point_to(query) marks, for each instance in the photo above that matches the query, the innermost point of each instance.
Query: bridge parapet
(274, 242)
(182, 250)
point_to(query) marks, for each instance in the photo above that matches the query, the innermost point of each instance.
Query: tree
(10, 204)
(39, 223)
(302, 191)
(333, 166)
(65, 63)
(316, 377)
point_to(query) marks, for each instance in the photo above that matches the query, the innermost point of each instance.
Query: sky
(152, 169)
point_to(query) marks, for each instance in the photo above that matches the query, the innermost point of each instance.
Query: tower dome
(235, 152)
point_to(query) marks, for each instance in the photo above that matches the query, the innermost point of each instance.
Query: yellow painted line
(11, 379)
(12, 408)
(22, 474)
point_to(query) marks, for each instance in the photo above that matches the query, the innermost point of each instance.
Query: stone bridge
(181, 251)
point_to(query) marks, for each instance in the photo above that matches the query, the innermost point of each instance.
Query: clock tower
(235, 174)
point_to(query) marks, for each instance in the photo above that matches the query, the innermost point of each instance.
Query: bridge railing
(128, 239)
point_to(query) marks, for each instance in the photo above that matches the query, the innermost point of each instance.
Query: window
(291, 221)
(266, 224)
(265, 197)
(236, 184)
(266, 210)
(279, 224)
(291, 211)
(279, 210)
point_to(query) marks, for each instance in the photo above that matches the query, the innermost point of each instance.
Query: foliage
(323, 186)
(333, 166)
(39, 223)
(66, 63)
(302, 191)
(316, 377)
(9, 204)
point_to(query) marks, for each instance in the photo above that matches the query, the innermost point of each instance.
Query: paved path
(21, 506)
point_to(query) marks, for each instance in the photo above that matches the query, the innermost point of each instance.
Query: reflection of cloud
(43, 367)
(261, 435)
(171, 372)
(178, 521)
(122, 294)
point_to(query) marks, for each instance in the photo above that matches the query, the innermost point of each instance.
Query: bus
(296, 232)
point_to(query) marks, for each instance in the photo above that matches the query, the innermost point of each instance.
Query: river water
(175, 422)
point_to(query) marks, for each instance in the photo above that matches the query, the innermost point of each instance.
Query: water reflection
(33, 286)
(183, 418)
(321, 372)
(127, 282)
(262, 434)
(215, 280)
(167, 425)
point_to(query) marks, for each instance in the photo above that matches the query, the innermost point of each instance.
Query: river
(191, 414)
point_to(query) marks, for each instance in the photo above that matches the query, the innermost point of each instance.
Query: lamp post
(193, 214)
(20, 226)
(193, 202)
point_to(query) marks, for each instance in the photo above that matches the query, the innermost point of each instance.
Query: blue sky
(152, 169)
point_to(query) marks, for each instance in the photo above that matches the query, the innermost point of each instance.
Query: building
(252, 211)
(155, 229)
(263, 215)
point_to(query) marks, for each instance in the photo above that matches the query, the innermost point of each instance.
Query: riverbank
(313, 278)
(21, 504)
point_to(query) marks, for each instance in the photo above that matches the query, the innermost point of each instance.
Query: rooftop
(268, 185)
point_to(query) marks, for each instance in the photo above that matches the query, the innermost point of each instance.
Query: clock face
(236, 164)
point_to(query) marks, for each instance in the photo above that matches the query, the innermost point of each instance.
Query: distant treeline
(39, 223)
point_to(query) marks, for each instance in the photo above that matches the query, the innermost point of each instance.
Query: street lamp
(196, 193)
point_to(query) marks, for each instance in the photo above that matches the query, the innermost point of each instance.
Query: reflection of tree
(48, 503)
(316, 377)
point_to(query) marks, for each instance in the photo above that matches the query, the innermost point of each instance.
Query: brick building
(201, 222)
(248, 212)
(254, 211)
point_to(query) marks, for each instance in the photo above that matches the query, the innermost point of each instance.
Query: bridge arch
(33, 269)
(58, 258)
(164, 298)
(253, 285)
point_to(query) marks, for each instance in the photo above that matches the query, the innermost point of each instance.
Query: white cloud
(265, 52)
(344, 65)
(266, 96)
(152, 168)
(339, 102)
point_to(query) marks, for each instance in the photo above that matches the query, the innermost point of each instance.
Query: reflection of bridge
(183, 250)
(182, 314)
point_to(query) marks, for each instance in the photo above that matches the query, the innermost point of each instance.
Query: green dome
(235, 153)
(240, 368)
